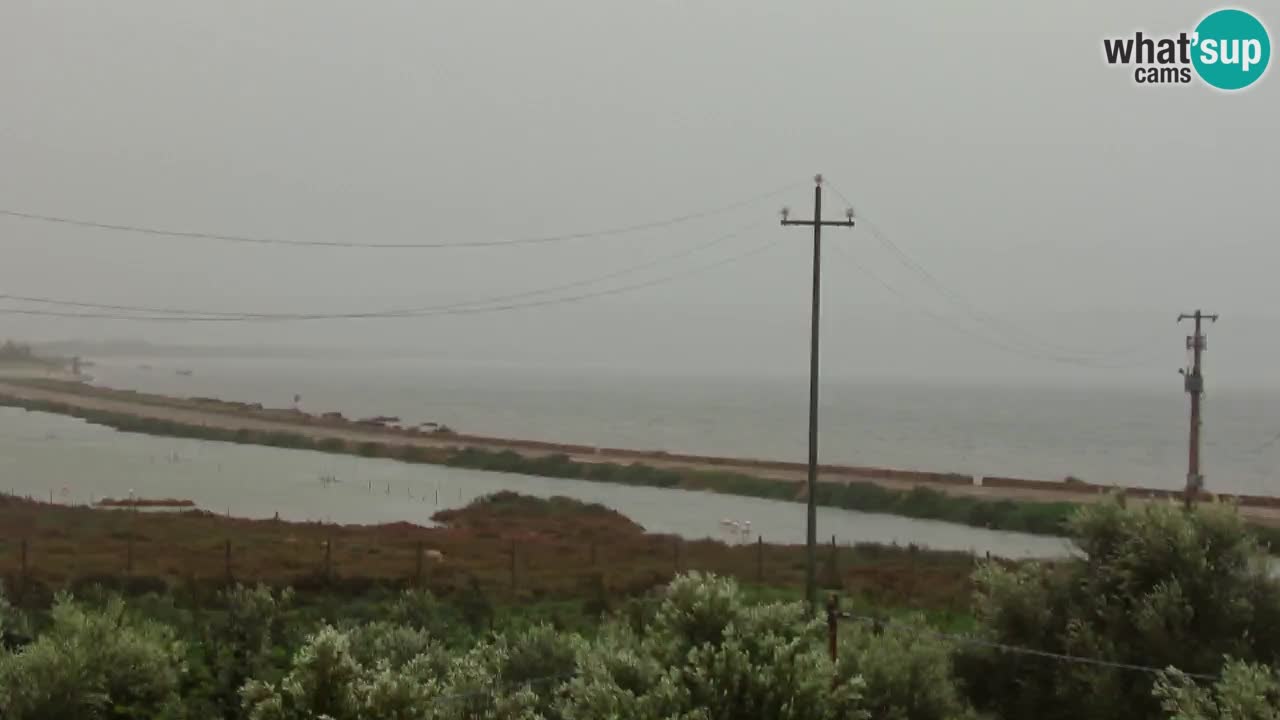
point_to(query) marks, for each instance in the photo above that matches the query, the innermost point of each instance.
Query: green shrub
(328, 680)
(708, 654)
(906, 670)
(1244, 692)
(1154, 586)
(93, 664)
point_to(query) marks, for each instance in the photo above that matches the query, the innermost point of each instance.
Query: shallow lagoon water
(80, 463)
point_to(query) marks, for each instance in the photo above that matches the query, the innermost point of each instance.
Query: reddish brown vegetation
(562, 549)
(512, 515)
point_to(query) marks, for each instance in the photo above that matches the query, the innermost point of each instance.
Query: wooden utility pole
(833, 625)
(811, 536)
(1193, 382)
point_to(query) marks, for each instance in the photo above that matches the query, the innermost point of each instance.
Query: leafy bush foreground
(1164, 614)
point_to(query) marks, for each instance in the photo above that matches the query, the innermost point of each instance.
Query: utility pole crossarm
(823, 223)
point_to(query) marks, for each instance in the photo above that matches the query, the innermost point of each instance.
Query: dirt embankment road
(232, 416)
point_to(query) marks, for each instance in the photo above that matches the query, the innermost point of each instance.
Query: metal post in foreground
(833, 625)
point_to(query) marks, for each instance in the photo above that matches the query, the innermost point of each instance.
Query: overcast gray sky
(988, 139)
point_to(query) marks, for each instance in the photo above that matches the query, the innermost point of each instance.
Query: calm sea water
(79, 463)
(1130, 436)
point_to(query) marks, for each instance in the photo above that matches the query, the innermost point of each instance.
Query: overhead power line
(1012, 334)
(1020, 650)
(389, 312)
(520, 684)
(1266, 445)
(534, 240)
(465, 310)
(992, 341)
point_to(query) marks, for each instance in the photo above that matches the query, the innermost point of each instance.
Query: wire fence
(332, 555)
(133, 549)
(515, 568)
(880, 623)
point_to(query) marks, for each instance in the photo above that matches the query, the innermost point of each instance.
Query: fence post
(913, 551)
(835, 567)
(759, 558)
(417, 568)
(133, 519)
(513, 566)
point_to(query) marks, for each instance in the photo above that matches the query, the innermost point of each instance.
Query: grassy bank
(920, 502)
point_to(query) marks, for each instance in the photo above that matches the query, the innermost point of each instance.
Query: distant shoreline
(251, 423)
(38, 371)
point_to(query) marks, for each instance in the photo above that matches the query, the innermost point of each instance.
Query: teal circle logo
(1231, 49)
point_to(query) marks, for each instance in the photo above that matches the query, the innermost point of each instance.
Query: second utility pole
(1194, 384)
(811, 536)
